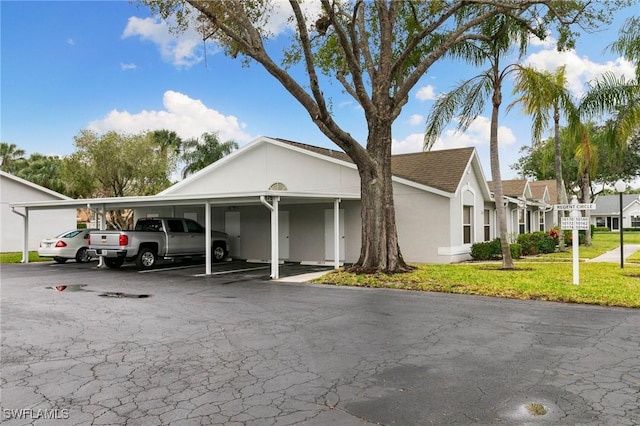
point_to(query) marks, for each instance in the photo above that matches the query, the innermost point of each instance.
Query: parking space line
(174, 268)
(232, 271)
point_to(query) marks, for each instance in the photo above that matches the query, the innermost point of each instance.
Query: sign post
(575, 222)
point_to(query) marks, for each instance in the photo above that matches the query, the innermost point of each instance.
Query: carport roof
(286, 197)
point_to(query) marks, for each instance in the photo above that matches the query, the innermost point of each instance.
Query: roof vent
(278, 186)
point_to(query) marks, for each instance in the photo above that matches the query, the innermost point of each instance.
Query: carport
(271, 200)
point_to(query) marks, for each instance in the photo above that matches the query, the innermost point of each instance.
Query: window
(541, 226)
(175, 225)
(601, 222)
(193, 226)
(278, 186)
(635, 221)
(149, 225)
(487, 225)
(521, 222)
(467, 215)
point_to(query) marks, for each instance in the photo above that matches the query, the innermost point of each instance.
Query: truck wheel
(146, 258)
(218, 253)
(59, 259)
(82, 256)
(113, 262)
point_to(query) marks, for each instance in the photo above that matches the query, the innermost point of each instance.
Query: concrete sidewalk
(613, 256)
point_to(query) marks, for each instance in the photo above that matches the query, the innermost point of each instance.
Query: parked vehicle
(153, 239)
(72, 244)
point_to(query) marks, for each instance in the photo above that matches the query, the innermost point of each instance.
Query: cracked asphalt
(236, 349)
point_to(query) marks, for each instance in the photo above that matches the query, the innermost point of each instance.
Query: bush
(516, 251)
(538, 242)
(486, 251)
(601, 229)
(491, 250)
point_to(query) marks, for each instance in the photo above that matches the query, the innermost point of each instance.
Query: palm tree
(9, 155)
(469, 98)
(628, 43)
(198, 155)
(543, 93)
(607, 95)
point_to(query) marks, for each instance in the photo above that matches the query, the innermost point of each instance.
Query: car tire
(146, 259)
(113, 262)
(82, 256)
(59, 259)
(218, 253)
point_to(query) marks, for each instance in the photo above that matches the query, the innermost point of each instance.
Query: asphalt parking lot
(173, 347)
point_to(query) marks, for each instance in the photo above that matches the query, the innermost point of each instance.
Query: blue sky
(66, 66)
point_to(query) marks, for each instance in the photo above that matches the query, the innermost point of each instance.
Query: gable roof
(438, 169)
(610, 204)
(33, 185)
(511, 188)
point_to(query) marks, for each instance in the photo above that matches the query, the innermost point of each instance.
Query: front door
(232, 228)
(615, 223)
(283, 239)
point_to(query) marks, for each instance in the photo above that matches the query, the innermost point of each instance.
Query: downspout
(275, 273)
(25, 236)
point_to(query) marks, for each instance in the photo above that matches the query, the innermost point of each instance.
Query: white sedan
(68, 245)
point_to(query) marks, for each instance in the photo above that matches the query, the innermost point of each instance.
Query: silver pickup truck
(155, 238)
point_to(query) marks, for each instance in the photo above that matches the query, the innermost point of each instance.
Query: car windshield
(69, 234)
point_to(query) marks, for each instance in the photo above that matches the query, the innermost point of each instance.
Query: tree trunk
(496, 176)
(380, 250)
(558, 171)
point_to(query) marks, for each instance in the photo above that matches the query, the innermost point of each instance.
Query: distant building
(607, 212)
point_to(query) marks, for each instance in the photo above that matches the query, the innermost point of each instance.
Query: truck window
(149, 225)
(193, 226)
(175, 225)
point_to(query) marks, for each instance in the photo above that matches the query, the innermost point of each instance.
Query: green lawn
(547, 277)
(16, 257)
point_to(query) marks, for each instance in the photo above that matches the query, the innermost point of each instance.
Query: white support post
(275, 248)
(25, 246)
(207, 238)
(103, 226)
(336, 233)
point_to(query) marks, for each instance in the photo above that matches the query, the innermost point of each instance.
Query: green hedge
(538, 242)
(491, 250)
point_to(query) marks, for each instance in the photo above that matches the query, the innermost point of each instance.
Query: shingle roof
(538, 186)
(610, 204)
(511, 188)
(438, 169)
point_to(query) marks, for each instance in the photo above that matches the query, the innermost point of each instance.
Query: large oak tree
(378, 51)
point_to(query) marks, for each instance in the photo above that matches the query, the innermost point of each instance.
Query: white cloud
(70, 42)
(476, 135)
(188, 117)
(579, 70)
(426, 93)
(127, 67)
(416, 120)
(412, 143)
(183, 50)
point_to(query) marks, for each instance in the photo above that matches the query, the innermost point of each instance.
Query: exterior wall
(631, 210)
(42, 223)
(423, 220)
(257, 168)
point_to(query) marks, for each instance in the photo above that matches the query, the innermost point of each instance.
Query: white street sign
(588, 206)
(580, 223)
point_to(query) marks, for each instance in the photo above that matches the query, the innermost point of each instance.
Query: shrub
(538, 242)
(486, 251)
(516, 251)
(601, 229)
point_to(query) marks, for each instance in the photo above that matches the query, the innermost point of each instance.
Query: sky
(111, 65)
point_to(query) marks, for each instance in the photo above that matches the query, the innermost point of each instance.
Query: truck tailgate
(105, 239)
